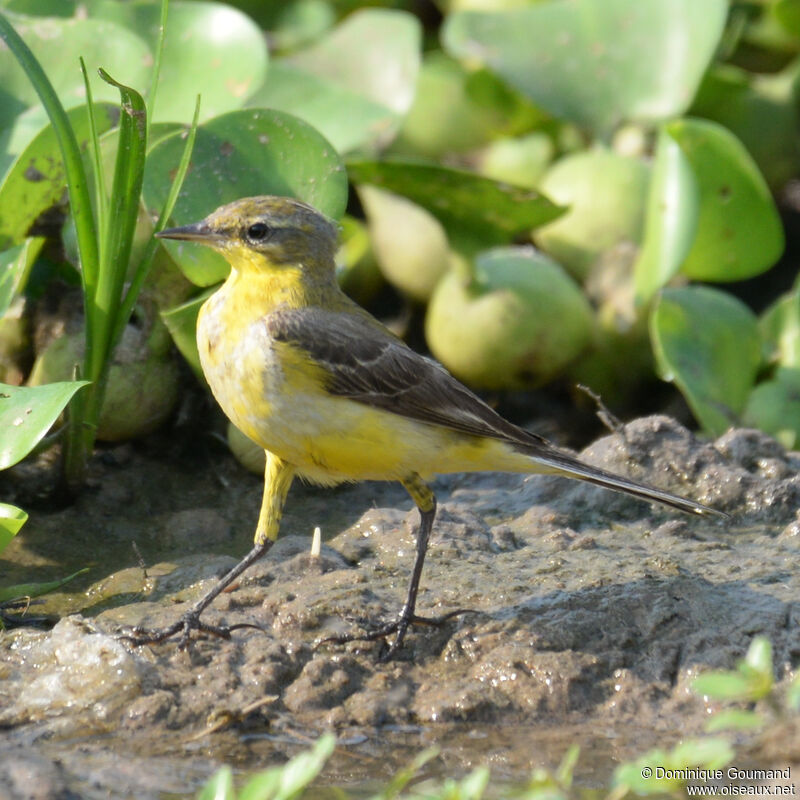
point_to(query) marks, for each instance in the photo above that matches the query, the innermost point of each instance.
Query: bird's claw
(184, 626)
(397, 627)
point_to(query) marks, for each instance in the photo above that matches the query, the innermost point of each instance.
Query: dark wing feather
(365, 363)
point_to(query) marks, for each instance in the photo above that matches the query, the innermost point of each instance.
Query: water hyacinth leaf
(472, 208)
(348, 120)
(11, 520)
(670, 219)
(181, 322)
(707, 343)
(27, 413)
(739, 232)
(374, 52)
(355, 84)
(35, 181)
(740, 101)
(780, 331)
(787, 12)
(581, 60)
(207, 39)
(240, 154)
(15, 266)
(57, 44)
(774, 407)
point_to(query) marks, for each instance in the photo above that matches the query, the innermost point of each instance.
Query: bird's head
(265, 231)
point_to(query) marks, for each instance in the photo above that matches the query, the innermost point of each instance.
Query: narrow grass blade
(166, 212)
(123, 210)
(101, 197)
(76, 175)
(11, 593)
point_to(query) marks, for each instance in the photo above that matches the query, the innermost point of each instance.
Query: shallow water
(593, 614)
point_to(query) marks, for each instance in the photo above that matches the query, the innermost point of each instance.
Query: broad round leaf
(374, 52)
(241, 154)
(36, 180)
(670, 219)
(597, 63)
(780, 331)
(211, 49)
(345, 117)
(57, 44)
(26, 414)
(742, 101)
(774, 407)
(355, 84)
(707, 343)
(739, 232)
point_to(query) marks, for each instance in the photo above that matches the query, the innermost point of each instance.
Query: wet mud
(589, 615)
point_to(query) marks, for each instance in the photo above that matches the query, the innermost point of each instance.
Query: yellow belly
(273, 395)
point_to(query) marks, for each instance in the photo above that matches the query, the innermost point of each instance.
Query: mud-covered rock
(580, 607)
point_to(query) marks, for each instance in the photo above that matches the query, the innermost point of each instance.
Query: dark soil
(592, 612)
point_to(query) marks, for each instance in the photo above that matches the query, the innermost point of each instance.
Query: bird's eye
(258, 232)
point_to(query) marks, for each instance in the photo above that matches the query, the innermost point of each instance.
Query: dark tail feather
(564, 464)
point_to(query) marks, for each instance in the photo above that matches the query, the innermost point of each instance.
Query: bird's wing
(366, 363)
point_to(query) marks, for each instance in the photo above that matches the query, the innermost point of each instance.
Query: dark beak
(196, 232)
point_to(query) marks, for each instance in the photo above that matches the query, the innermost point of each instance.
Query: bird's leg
(425, 500)
(278, 477)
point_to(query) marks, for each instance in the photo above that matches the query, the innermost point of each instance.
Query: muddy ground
(591, 614)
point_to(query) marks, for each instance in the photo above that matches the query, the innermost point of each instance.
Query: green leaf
(759, 656)
(77, 185)
(11, 593)
(15, 266)
(263, 786)
(27, 413)
(722, 685)
(240, 154)
(303, 768)
(472, 208)
(11, 520)
(739, 232)
(734, 719)
(35, 181)
(57, 44)
(104, 298)
(780, 331)
(210, 48)
(793, 696)
(582, 60)
(355, 84)
(707, 343)
(374, 52)
(670, 219)
(219, 787)
(181, 322)
(348, 120)
(711, 753)
(774, 407)
(741, 100)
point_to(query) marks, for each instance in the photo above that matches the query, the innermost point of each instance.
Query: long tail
(563, 464)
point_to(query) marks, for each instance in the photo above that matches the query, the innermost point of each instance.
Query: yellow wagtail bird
(332, 395)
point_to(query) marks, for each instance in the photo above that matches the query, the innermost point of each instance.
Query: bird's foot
(182, 628)
(397, 628)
